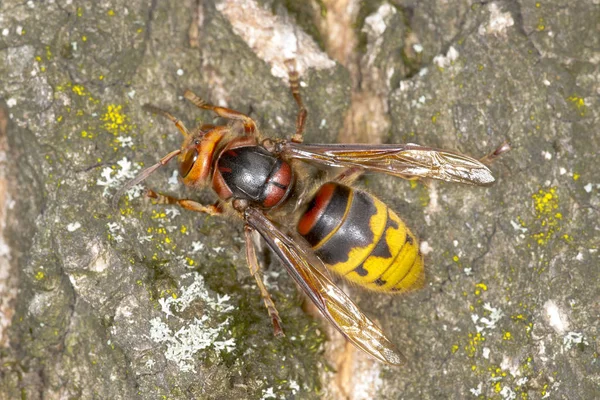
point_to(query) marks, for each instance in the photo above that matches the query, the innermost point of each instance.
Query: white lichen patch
(115, 231)
(188, 340)
(268, 393)
(489, 322)
(522, 381)
(447, 60)
(145, 238)
(573, 338)
(555, 318)
(174, 179)
(112, 178)
(486, 353)
(72, 227)
(518, 227)
(434, 206)
(425, 247)
(197, 334)
(100, 264)
(272, 38)
(478, 390)
(270, 275)
(375, 25)
(294, 387)
(511, 364)
(196, 290)
(172, 212)
(197, 247)
(507, 393)
(498, 23)
(125, 141)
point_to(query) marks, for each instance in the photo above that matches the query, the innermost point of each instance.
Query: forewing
(403, 160)
(334, 304)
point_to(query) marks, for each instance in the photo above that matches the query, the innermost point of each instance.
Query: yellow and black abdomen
(358, 236)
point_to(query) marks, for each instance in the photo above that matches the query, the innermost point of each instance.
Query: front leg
(192, 205)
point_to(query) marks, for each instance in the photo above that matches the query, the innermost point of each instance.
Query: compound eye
(189, 158)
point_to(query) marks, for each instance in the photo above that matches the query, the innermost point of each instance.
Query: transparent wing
(334, 304)
(403, 160)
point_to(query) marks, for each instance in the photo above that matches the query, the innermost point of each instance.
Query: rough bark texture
(149, 302)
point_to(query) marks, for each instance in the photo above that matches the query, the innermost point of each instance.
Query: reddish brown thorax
(245, 170)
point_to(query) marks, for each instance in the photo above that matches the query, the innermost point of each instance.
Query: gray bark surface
(148, 302)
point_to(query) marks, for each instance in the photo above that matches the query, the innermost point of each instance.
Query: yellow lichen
(497, 387)
(39, 276)
(475, 341)
(545, 204)
(78, 89)
(482, 286)
(158, 215)
(541, 25)
(116, 122)
(579, 103)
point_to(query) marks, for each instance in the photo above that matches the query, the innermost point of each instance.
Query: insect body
(357, 236)
(334, 227)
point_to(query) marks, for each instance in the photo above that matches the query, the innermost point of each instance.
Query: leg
(142, 175)
(494, 155)
(255, 272)
(207, 127)
(249, 124)
(184, 203)
(167, 114)
(349, 176)
(302, 112)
